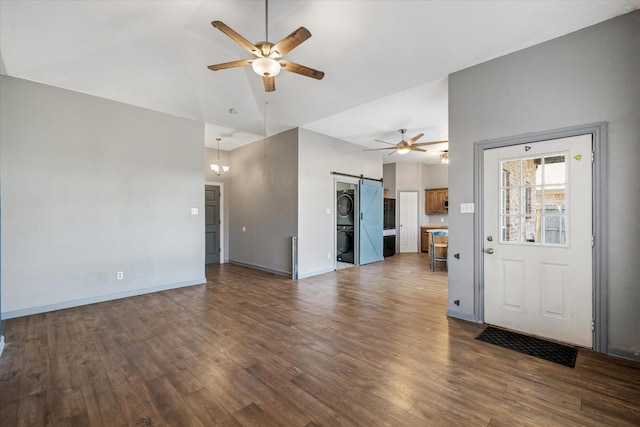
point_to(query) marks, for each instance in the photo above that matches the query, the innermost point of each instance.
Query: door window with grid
(533, 200)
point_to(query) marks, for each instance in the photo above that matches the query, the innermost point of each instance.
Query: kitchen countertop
(438, 226)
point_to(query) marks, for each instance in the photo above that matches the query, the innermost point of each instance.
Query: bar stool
(439, 240)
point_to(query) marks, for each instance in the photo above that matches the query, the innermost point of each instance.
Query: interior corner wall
(588, 76)
(263, 203)
(91, 187)
(389, 177)
(318, 156)
(211, 157)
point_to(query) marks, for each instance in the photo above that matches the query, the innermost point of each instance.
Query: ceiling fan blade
(378, 149)
(415, 138)
(269, 83)
(422, 144)
(231, 64)
(237, 37)
(414, 148)
(384, 142)
(301, 69)
(290, 42)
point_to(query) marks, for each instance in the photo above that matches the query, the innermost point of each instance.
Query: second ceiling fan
(404, 147)
(268, 60)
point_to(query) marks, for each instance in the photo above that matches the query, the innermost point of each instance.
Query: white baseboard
(101, 298)
(1, 344)
(261, 268)
(315, 273)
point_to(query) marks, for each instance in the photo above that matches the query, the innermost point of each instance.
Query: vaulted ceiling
(386, 62)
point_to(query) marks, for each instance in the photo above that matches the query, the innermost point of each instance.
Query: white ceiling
(386, 62)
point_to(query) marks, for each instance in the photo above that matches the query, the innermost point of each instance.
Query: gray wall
(263, 198)
(319, 156)
(588, 76)
(91, 187)
(389, 177)
(210, 157)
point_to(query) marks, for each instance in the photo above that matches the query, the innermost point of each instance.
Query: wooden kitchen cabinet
(434, 199)
(424, 239)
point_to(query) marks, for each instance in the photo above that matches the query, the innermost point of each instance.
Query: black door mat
(536, 347)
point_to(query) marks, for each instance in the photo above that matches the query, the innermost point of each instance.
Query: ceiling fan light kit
(403, 147)
(266, 67)
(268, 60)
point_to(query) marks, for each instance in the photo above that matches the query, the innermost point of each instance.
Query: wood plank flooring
(365, 346)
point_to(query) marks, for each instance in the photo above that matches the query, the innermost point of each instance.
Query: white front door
(408, 221)
(537, 239)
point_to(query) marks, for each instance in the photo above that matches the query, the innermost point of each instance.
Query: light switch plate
(467, 207)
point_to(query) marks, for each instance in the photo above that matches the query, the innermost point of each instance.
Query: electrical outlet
(457, 302)
(194, 211)
(120, 275)
(328, 255)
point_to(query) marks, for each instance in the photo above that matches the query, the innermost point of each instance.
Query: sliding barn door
(370, 230)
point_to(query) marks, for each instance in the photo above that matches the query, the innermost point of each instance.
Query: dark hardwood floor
(365, 346)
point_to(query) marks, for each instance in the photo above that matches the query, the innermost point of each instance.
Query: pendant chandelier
(444, 158)
(217, 168)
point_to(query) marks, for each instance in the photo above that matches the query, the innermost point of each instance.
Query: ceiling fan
(268, 60)
(404, 147)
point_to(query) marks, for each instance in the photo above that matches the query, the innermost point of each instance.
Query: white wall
(318, 156)
(584, 77)
(91, 187)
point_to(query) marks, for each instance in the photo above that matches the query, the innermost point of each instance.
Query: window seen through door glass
(534, 200)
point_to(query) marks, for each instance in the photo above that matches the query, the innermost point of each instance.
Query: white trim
(261, 268)
(101, 298)
(462, 316)
(356, 224)
(222, 230)
(316, 273)
(1, 344)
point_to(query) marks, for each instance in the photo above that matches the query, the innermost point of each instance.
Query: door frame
(398, 212)
(356, 218)
(599, 211)
(222, 227)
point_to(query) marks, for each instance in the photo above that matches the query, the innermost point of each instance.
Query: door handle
(489, 250)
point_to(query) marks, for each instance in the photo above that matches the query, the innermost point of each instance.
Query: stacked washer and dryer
(345, 213)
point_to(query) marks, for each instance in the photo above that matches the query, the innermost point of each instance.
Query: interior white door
(537, 239)
(408, 221)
